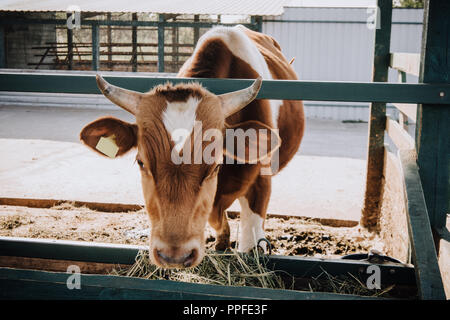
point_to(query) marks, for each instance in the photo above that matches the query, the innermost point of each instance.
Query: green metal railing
(438, 94)
(421, 245)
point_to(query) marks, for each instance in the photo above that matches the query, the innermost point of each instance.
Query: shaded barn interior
(89, 36)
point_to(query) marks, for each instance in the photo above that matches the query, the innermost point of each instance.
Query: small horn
(126, 99)
(234, 101)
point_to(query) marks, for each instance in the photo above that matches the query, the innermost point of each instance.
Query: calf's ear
(250, 142)
(109, 136)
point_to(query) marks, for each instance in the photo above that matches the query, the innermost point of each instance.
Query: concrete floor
(328, 138)
(43, 158)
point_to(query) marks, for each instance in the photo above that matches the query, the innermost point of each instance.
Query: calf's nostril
(190, 258)
(163, 257)
(186, 260)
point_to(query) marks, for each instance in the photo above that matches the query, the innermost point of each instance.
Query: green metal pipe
(271, 89)
(2, 47)
(134, 44)
(339, 21)
(69, 46)
(125, 254)
(161, 43)
(119, 23)
(95, 48)
(433, 122)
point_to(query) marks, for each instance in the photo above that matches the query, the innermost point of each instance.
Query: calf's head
(179, 195)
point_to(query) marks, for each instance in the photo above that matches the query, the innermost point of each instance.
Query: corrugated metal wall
(336, 44)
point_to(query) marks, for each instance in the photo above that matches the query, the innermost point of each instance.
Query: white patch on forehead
(179, 120)
(244, 48)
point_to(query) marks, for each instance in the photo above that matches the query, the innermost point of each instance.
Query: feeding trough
(99, 263)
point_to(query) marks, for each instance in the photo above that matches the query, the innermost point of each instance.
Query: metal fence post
(161, 43)
(256, 22)
(433, 121)
(69, 45)
(377, 122)
(2, 47)
(95, 47)
(134, 44)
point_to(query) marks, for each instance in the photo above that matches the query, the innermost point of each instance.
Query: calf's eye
(140, 163)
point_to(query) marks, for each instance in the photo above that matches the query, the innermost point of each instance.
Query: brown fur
(235, 181)
(181, 198)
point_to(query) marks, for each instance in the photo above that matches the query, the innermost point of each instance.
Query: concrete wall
(19, 40)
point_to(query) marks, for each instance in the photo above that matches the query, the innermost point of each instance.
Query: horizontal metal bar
(304, 267)
(115, 62)
(33, 284)
(69, 250)
(63, 45)
(120, 23)
(338, 21)
(177, 23)
(309, 267)
(115, 53)
(271, 89)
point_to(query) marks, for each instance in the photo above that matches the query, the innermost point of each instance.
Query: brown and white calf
(181, 197)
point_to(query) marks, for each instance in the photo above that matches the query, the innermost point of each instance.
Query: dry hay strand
(345, 284)
(229, 268)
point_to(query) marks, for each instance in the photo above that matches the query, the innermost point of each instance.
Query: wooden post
(433, 121)
(134, 44)
(69, 46)
(95, 47)
(161, 43)
(377, 122)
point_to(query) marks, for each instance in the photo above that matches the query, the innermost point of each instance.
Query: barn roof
(222, 7)
(332, 3)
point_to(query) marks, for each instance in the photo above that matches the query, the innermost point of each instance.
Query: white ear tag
(108, 146)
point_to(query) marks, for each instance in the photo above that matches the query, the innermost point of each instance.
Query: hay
(229, 268)
(236, 269)
(345, 284)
